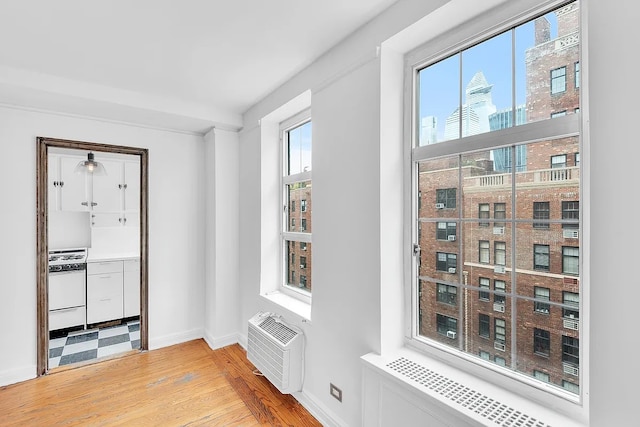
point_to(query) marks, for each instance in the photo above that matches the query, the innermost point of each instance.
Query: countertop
(112, 256)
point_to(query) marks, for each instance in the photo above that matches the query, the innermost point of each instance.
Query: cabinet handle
(84, 203)
(61, 183)
(55, 183)
(60, 310)
(120, 186)
(94, 204)
(105, 299)
(125, 186)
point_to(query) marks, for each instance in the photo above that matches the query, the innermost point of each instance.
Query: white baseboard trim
(219, 342)
(318, 410)
(18, 375)
(172, 339)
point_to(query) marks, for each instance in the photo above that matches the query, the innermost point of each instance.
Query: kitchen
(93, 213)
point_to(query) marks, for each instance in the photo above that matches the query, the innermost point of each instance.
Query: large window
(296, 186)
(507, 85)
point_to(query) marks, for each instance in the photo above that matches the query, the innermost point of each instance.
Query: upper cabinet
(113, 199)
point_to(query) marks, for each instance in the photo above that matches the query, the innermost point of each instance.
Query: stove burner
(67, 260)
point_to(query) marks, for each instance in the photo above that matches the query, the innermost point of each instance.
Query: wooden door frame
(42, 206)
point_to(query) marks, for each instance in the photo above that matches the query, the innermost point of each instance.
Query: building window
(501, 361)
(303, 205)
(483, 214)
(576, 157)
(483, 251)
(570, 351)
(500, 253)
(446, 324)
(571, 302)
(499, 213)
(572, 387)
(559, 161)
(541, 294)
(571, 260)
(501, 288)
(576, 70)
(522, 162)
(571, 212)
(483, 282)
(558, 80)
(484, 325)
(296, 187)
(541, 211)
(446, 262)
(446, 198)
(303, 246)
(447, 294)
(485, 355)
(539, 375)
(541, 257)
(446, 231)
(558, 114)
(500, 330)
(541, 342)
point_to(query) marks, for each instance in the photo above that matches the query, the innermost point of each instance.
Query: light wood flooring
(183, 385)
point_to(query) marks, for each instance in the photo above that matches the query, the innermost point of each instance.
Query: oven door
(67, 289)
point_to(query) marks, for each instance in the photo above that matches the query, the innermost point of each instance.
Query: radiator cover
(276, 350)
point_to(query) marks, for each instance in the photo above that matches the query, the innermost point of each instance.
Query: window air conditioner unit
(451, 237)
(451, 334)
(570, 369)
(570, 234)
(499, 307)
(302, 266)
(499, 269)
(499, 345)
(439, 205)
(572, 324)
(498, 230)
(451, 270)
(276, 351)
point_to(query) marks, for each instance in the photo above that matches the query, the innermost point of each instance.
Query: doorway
(43, 203)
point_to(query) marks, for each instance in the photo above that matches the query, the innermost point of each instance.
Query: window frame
(291, 237)
(566, 126)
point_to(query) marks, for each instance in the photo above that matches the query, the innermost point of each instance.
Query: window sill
(432, 386)
(293, 305)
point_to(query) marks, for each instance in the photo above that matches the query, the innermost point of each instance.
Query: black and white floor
(80, 346)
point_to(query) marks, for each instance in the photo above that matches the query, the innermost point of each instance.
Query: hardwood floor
(183, 385)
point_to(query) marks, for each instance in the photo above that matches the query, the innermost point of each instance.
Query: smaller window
(500, 253)
(571, 301)
(303, 281)
(484, 355)
(446, 198)
(484, 325)
(293, 278)
(500, 330)
(484, 284)
(541, 294)
(483, 214)
(541, 376)
(541, 211)
(303, 262)
(559, 161)
(571, 260)
(541, 342)
(571, 211)
(499, 213)
(483, 251)
(303, 224)
(292, 205)
(541, 257)
(303, 246)
(558, 80)
(303, 205)
(576, 70)
(570, 351)
(569, 386)
(446, 262)
(558, 114)
(447, 294)
(501, 361)
(446, 231)
(500, 287)
(293, 223)
(446, 324)
(577, 155)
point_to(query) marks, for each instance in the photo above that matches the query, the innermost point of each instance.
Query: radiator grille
(471, 400)
(277, 330)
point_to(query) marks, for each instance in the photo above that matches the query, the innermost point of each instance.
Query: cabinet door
(131, 288)
(106, 219)
(104, 297)
(53, 180)
(132, 189)
(107, 194)
(73, 189)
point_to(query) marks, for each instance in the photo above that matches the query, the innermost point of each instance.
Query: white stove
(67, 260)
(67, 288)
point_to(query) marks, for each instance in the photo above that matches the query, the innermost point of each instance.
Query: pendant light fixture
(90, 166)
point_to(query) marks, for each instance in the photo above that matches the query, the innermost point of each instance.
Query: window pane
(299, 149)
(298, 274)
(299, 220)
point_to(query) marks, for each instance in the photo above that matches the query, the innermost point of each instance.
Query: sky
(439, 83)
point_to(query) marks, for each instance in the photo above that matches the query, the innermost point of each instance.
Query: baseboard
(219, 342)
(172, 339)
(17, 375)
(318, 410)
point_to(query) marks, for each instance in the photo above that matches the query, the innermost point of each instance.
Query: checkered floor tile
(94, 343)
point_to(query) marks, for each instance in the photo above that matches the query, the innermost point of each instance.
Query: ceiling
(189, 64)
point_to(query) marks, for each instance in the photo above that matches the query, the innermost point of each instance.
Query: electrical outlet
(335, 392)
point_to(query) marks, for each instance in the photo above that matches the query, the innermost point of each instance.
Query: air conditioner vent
(464, 397)
(278, 330)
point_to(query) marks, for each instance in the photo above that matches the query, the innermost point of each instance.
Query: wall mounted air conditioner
(499, 345)
(570, 234)
(439, 205)
(276, 350)
(499, 269)
(451, 334)
(498, 230)
(451, 237)
(451, 270)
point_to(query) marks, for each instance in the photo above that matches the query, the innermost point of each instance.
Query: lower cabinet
(113, 290)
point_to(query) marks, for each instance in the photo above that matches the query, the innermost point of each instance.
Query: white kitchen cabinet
(131, 287)
(107, 189)
(131, 186)
(67, 190)
(105, 219)
(104, 291)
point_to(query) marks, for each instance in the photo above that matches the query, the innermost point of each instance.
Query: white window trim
(431, 53)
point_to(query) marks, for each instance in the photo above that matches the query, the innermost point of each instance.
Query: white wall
(176, 223)
(346, 314)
